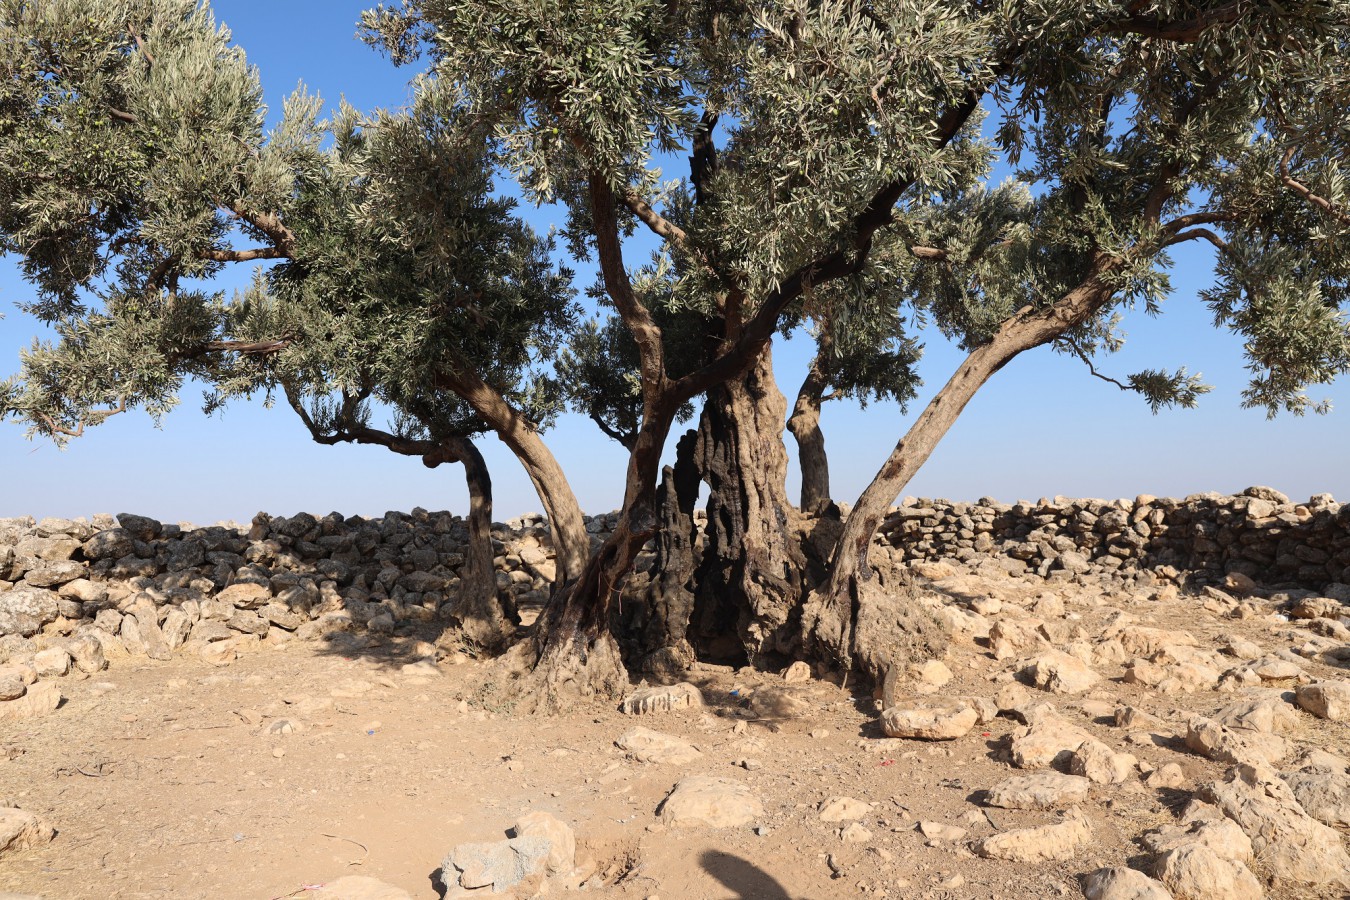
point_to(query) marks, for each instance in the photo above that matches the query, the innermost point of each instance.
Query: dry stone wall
(1259, 533)
(76, 592)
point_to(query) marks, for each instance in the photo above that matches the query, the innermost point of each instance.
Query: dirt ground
(304, 762)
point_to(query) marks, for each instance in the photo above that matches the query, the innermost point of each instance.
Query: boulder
(1041, 791)
(662, 699)
(1060, 673)
(24, 610)
(941, 723)
(1324, 699)
(1058, 841)
(1292, 845)
(1048, 740)
(1195, 872)
(710, 801)
(22, 830)
(1121, 883)
(646, 745)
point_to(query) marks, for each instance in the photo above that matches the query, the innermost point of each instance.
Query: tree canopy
(839, 177)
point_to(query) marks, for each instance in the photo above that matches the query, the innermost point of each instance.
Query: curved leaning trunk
(804, 424)
(478, 609)
(848, 620)
(571, 543)
(749, 581)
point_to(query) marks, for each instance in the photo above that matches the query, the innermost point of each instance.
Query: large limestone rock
(39, 700)
(1291, 844)
(1059, 841)
(561, 840)
(1195, 872)
(22, 830)
(707, 800)
(662, 699)
(1101, 765)
(843, 809)
(1060, 673)
(1121, 883)
(1049, 739)
(1324, 699)
(1322, 786)
(25, 610)
(1235, 746)
(654, 747)
(1221, 835)
(1049, 790)
(937, 723)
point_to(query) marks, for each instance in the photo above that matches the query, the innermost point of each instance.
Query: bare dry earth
(302, 763)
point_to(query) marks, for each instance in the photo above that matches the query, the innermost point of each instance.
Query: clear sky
(1042, 427)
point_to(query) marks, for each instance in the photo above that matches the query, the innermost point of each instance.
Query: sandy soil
(181, 780)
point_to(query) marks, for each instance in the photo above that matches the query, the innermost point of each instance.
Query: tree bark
(844, 620)
(666, 651)
(804, 424)
(478, 609)
(750, 579)
(571, 543)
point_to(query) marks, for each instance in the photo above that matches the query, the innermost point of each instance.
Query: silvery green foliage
(134, 166)
(849, 186)
(1138, 126)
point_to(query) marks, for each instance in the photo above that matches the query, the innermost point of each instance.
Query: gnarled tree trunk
(666, 652)
(750, 579)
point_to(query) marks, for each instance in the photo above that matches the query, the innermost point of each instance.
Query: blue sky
(1043, 426)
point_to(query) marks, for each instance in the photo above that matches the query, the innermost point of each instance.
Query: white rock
(1042, 743)
(562, 841)
(1060, 673)
(1059, 841)
(1195, 872)
(941, 723)
(1101, 765)
(706, 800)
(663, 699)
(1121, 883)
(52, 661)
(1325, 699)
(22, 830)
(843, 809)
(654, 747)
(1234, 745)
(1290, 843)
(797, 672)
(1042, 791)
(39, 700)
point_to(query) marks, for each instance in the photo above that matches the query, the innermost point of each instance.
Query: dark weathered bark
(750, 579)
(804, 424)
(478, 609)
(666, 652)
(833, 616)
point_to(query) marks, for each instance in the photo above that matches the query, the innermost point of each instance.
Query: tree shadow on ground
(742, 876)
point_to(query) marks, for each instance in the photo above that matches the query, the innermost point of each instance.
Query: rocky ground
(1078, 738)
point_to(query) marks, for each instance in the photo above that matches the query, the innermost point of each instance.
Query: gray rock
(23, 611)
(114, 543)
(142, 528)
(1050, 790)
(54, 574)
(500, 864)
(654, 747)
